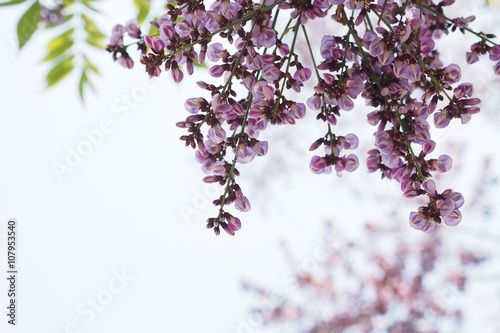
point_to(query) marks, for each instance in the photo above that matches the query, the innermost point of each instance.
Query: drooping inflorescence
(387, 56)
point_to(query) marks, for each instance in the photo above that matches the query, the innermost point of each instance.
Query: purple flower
(206, 161)
(157, 45)
(428, 146)
(354, 4)
(261, 148)
(126, 61)
(217, 133)
(373, 160)
(420, 222)
(453, 218)
(245, 153)
(494, 53)
(243, 205)
(297, 111)
(441, 119)
(351, 163)
(215, 51)
(217, 70)
(184, 28)
(219, 168)
(453, 74)
(318, 165)
(327, 43)
(167, 32)
(496, 68)
(233, 222)
(472, 57)
(116, 39)
(132, 28)
(264, 36)
(177, 74)
(345, 102)
(417, 220)
(430, 186)
(314, 102)
(212, 147)
(271, 73)
(350, 141)
(193, 105)
(442, 164)
(302, 74)
(427, 45)
(463, 90)
(463, 22)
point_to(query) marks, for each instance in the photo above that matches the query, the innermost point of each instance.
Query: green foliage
(80, 29)
(60, 71)
(143, 7)
(10, 3)
(88, 4)
(62, 54)
(59, 45)
(68, 51)
(91, 28)
(153, 31)
(28, 24)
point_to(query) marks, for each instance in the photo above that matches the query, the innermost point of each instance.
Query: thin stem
(398, 115)
(292, 49)
(238, 60)
(230, 177)
(311, 52)
(246, 17)
(478, 34)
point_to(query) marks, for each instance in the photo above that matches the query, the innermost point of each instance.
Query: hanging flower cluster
(386, 57)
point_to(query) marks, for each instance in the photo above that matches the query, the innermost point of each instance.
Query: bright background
(136, 204)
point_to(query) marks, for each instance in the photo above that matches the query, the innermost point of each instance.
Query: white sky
(119, 209)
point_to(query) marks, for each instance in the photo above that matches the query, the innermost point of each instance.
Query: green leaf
(84, 81)
(61, 39)
(10, 3)
(153, 31)
(143, 8)
(81, 83)
(91, 28)
(60, 71)
(198, 65)
(95, 42)
(88, 4)
(59, 45)
(60, 50)
(90, 65)
(28, 23)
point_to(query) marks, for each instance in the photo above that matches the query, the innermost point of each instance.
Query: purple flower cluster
(116, 46)
(387, 57)
(52, 15)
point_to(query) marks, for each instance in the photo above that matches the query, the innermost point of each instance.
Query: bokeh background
(124, 227)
